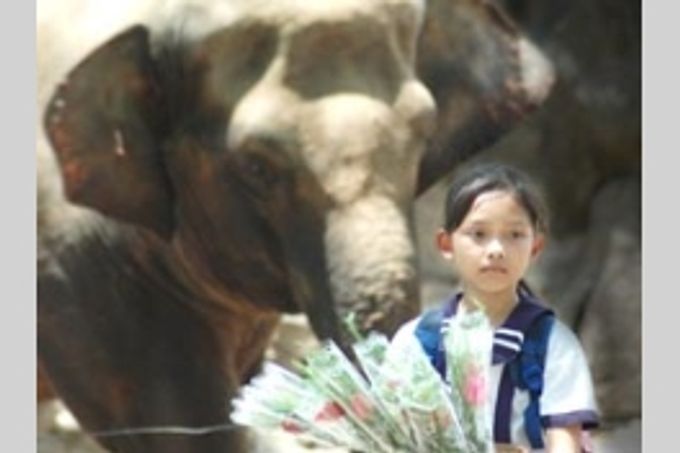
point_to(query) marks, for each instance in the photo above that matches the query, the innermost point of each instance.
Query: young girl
(494, 227)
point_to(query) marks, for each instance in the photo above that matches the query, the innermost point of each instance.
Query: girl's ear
(444, 243)
(538, 246)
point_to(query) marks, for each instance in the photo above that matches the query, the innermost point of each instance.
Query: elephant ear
(485, 75)
(104, 123)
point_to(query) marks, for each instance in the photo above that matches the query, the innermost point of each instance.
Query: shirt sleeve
(568, 396)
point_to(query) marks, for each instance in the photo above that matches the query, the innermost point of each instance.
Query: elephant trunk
(371, 261)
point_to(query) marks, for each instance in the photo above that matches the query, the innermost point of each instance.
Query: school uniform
(568, 395)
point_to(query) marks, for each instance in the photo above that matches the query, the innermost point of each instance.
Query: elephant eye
(258, 174)
(258, 170)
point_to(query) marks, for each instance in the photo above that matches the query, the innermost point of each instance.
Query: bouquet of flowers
(393, 401)
(468, 344)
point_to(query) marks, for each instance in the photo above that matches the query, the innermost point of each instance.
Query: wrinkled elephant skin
(213, 168)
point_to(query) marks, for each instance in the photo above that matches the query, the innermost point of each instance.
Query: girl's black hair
(493, 176)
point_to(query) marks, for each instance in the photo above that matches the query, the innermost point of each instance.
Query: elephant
(206, 166)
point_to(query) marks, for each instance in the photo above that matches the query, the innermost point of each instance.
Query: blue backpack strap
(428, 332)
(503, 410)
(527, 373)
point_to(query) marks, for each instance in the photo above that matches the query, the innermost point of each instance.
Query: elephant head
(275, 151)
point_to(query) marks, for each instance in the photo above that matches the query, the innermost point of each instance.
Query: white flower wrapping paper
(468, 344)
(393, 402)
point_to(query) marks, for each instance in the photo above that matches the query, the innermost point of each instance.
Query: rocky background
(584, 148)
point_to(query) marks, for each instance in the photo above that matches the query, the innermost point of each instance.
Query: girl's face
(494, 244)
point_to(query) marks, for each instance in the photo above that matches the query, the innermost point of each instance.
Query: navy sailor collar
(508, 337)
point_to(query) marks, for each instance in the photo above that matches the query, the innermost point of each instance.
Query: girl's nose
(495, 249)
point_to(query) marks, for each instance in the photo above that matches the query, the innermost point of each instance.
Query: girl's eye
(478, 234)
(517, 234)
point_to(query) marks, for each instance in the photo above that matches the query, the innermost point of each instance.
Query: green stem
(351, 325)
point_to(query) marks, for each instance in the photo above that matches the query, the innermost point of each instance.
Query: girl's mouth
(496, 269)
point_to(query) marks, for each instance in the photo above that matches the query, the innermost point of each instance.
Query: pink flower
(291, 426)
(361, 406)
(474, 387)
(330, 411)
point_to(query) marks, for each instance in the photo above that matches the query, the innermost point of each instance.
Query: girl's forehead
(497, 204)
